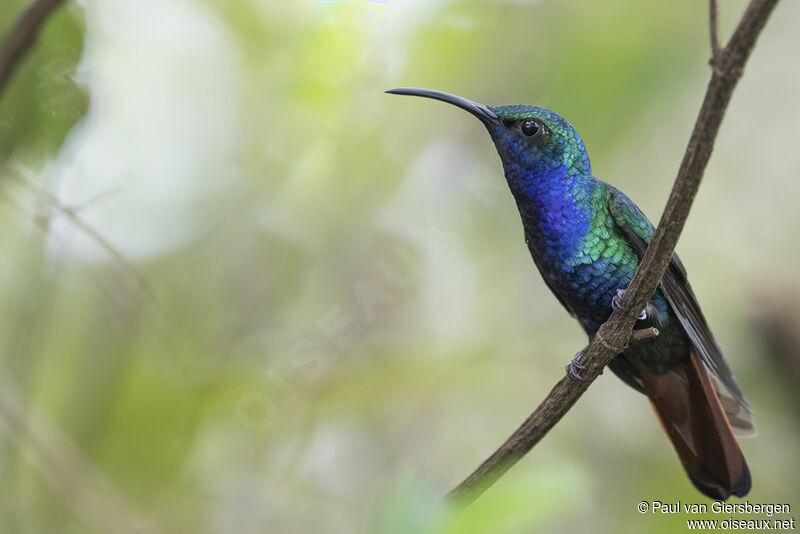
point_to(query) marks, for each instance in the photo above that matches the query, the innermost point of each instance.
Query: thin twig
(644, 333)
(22, 35)
(713, 29)
(615, 334)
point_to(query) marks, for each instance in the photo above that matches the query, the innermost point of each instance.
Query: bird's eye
(531, 128)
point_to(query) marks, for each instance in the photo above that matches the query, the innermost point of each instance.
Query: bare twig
(713, 32)
(22, 36)
(615, 334)
(644, 333)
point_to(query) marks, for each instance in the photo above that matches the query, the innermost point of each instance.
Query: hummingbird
(587, 238)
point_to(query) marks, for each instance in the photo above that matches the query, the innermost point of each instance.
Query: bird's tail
(693, 418)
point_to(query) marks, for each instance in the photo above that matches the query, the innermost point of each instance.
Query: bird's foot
(616, 303)
(575, 366)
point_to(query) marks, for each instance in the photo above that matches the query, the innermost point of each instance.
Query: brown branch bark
(644, 333)
(21, 37)
(615, 334)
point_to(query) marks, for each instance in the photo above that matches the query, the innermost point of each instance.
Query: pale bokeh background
(340, 318)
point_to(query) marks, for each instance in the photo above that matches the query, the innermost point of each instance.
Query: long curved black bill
(479, 110)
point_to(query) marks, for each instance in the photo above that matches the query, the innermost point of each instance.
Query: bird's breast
(584, 265)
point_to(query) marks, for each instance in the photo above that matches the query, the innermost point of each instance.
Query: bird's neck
(555, 202)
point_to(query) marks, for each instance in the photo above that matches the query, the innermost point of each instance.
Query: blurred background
(244, 290)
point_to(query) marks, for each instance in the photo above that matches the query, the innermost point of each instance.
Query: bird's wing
(675, 286)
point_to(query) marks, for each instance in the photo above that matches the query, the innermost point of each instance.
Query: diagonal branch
(22, 35)
(615, 334)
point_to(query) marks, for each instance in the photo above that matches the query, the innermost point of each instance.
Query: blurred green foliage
(43, 103)
(349, 322)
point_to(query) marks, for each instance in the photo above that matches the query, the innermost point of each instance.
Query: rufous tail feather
(692, 416)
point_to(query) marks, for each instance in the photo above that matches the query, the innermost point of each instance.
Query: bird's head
(529, 139)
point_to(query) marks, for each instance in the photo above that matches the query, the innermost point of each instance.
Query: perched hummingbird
(587, 238)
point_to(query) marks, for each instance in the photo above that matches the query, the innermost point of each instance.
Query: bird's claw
(616, 300)
(575, 366)
(616, 303)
